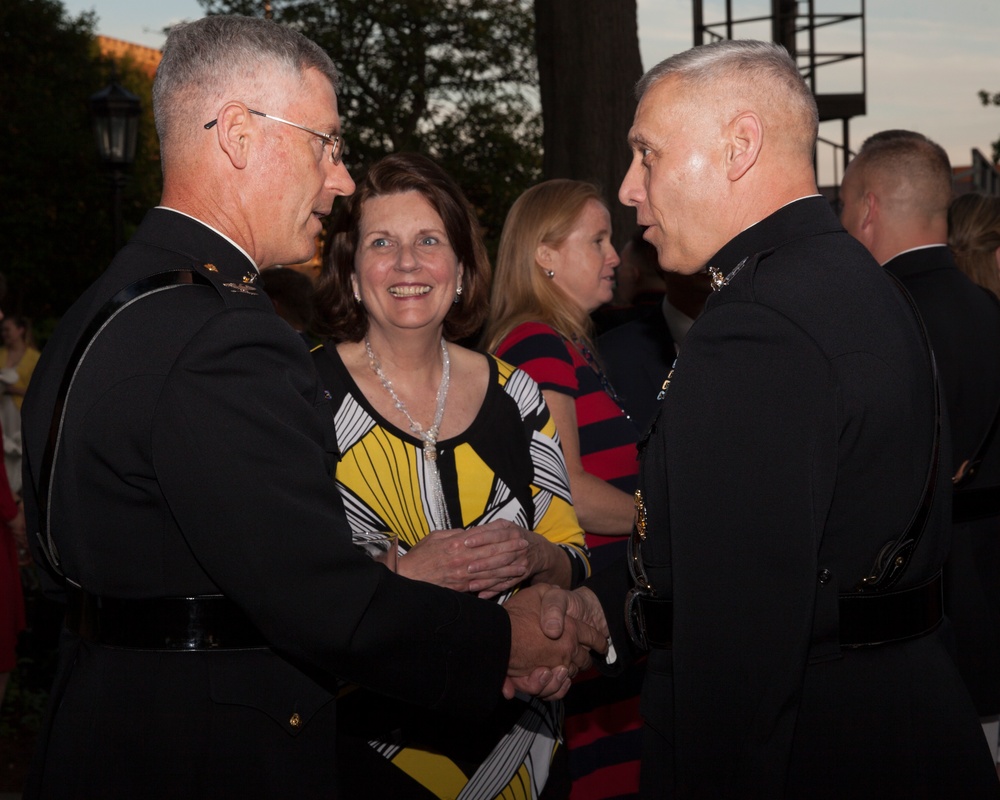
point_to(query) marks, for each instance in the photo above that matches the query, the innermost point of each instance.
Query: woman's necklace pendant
(437, 516)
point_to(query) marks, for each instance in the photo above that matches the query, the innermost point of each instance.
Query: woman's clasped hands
(487, 559)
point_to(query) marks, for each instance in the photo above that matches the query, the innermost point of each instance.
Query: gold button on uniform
(295, 720)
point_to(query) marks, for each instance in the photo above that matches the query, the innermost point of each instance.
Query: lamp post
(115, 113)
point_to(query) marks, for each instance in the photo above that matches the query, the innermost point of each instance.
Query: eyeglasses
(338, 147)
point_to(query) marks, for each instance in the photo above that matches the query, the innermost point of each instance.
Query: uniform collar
(214, 230)
(176, 232)
(806, 216)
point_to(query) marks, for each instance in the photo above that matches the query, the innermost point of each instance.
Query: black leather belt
(208, 622)
(866, 620)
(972, 504)
(870, 619)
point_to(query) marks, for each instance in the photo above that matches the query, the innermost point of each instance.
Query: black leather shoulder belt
(162, 623)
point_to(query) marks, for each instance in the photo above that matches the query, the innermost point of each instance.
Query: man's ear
(871, 208)
(234, 134)
(745, 137)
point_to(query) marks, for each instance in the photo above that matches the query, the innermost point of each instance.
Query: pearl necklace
(428, 437)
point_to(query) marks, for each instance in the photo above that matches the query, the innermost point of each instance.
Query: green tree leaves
(55, 201)
(455, 79)
(992, 99)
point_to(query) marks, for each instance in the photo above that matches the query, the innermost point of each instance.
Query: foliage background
(55, 201)
(992, 99)
(455, 79)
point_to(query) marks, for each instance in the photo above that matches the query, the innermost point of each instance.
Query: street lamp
(115, 114)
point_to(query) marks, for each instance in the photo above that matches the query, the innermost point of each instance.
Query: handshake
(552, 635)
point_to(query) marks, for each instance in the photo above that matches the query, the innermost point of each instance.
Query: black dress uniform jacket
(794, 441)
(963, 321)
(196, 459)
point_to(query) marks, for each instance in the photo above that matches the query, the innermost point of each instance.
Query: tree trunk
(588, 63)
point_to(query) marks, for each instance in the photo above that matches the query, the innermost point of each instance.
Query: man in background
(638, 355)
(895, 195)
(291, 292)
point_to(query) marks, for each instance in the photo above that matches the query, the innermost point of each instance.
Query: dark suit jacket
(963, 322)
(637, 357)
(793, 443)
(197, 458)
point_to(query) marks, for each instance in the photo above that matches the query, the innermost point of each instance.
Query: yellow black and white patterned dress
(506, 465)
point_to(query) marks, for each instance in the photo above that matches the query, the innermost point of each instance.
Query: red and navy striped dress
(607, 436)
(603, 728)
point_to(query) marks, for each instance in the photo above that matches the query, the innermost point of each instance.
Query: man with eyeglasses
(792, 515)
(180, 452)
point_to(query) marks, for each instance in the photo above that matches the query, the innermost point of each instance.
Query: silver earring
(550, 273)
(458, 294)
(357, 297)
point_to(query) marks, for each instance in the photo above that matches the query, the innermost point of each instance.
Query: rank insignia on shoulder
(242, 288)
(211, 267)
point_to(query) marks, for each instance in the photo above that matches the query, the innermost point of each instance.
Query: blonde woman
(554, 267)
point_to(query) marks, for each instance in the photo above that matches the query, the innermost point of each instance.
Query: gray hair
(747, 64)
(218, 56)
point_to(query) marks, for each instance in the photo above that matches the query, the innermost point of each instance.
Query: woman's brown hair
(338, 314)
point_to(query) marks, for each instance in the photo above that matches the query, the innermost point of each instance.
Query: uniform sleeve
(542, 353)
(244, 450)
(555, 517)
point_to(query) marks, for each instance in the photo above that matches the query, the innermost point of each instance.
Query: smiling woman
(452, 450)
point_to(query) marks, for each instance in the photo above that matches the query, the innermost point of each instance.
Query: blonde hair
(974, 237)
(544, 214)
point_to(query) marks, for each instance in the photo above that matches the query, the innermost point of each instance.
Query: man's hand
(543, 662)
(581, 604)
